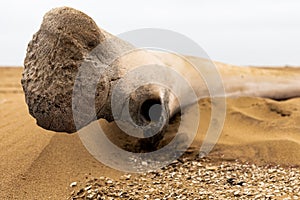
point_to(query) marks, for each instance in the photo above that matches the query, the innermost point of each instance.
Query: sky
(248, 32)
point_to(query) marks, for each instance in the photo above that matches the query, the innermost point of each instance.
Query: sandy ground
(39, 164)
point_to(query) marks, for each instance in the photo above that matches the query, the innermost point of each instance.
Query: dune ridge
(36, 163)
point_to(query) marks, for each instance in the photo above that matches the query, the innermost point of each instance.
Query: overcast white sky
(249, 32)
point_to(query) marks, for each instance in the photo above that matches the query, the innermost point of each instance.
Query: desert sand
(40, 164)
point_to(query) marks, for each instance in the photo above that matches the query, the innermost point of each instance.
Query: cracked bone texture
(69, 48)
(53, 57)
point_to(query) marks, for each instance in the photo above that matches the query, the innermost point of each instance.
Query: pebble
(144, 163)
(73, 184)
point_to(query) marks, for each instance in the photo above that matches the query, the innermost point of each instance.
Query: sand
(40, 164)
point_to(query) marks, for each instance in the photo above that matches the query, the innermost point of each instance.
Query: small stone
(212, 168)
(127, 177)
(88, 188)
(236, 193)
(73, 184)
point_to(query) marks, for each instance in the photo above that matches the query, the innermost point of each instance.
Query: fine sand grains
(39, 164)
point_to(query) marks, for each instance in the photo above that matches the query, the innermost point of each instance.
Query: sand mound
(38, 164)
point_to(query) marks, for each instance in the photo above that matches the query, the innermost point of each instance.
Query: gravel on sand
(197, 179)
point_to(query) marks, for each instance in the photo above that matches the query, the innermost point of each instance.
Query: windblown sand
(39, 164)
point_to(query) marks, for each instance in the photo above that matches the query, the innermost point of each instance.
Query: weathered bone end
(51, 64)
(59, 52)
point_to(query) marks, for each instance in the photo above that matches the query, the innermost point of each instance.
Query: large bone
(62, 48)
(66, 38)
